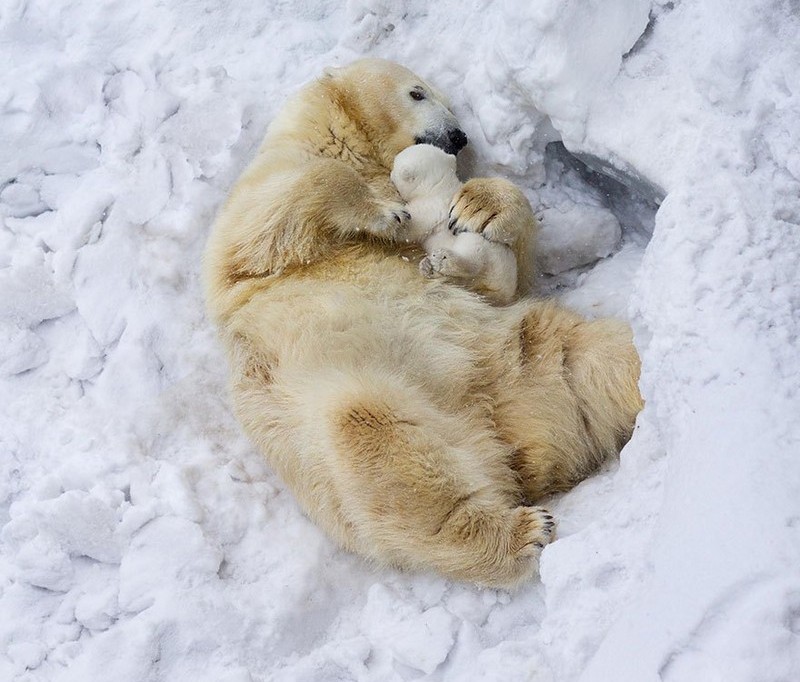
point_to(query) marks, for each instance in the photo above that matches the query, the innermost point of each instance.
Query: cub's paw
(434, 264)
(535, 528)
(492, 207)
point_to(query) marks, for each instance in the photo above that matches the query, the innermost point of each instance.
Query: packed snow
(143, 538)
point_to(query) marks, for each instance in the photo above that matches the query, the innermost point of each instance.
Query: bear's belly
(382, 316)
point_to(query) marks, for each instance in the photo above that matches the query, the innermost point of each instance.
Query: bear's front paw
(392, 221)
(492, 207)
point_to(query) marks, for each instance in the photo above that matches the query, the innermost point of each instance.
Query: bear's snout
(458, 139)
(451, 141)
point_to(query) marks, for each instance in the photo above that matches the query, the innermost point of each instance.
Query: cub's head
(393, 107)
(422, 169)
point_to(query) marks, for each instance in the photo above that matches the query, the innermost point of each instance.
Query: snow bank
(143, 538)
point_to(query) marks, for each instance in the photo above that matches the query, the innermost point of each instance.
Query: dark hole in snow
(632, 198)
(596, 220)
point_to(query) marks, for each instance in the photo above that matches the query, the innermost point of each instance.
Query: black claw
(452, 224)
(538, 545)
(548, 517)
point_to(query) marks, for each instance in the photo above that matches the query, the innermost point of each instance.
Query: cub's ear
(405, 180)
(408, 175)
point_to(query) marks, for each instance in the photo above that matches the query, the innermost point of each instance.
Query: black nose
(458, 140)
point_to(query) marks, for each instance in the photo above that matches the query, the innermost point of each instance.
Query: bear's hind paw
(535, 529)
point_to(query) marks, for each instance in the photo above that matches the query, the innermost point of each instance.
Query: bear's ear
(405, 175)
(408, 175)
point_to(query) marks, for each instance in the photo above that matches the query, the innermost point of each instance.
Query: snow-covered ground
(144, 539)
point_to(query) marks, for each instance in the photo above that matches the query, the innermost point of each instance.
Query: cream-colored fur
(425, 177)
(414, 422)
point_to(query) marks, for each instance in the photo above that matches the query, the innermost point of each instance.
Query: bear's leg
(279, 218)
(573, 399)
(337, 196)
(428, 490)
(603, 366)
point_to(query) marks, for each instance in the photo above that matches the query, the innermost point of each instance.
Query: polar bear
(425, 177)
(415, 422)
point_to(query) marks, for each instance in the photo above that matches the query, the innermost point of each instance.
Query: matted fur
(414, 422)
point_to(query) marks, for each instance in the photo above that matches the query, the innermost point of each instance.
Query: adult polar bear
(413, 421)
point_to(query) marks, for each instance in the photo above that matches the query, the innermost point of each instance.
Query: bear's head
(425, 178)
(393, 107)
(423, 169)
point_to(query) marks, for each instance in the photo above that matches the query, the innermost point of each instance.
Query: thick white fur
(425, 177)
(414, 421)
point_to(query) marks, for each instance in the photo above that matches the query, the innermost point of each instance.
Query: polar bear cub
(425, 177)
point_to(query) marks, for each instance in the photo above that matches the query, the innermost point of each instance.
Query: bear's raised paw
(492, 207)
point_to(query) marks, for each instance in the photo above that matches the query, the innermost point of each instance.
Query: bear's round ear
(408, 175)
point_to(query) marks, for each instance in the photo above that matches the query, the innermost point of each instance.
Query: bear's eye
(417, 95)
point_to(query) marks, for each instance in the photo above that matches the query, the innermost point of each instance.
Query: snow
(142, 537)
